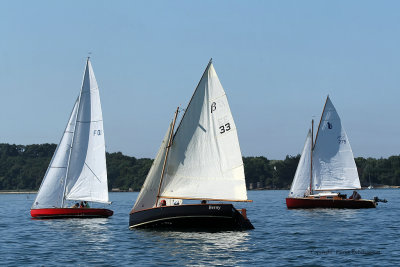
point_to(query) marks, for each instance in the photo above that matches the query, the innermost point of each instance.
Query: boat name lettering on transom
(213, 107)
(224, 128)
(214, 207)
(97, 132)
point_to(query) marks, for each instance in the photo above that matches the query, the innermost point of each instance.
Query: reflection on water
(331, 214)
(219, 248)
(91, 230)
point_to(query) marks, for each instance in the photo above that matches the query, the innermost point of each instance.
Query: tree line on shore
(22, 167)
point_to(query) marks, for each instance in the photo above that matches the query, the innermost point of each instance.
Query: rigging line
(93, 172)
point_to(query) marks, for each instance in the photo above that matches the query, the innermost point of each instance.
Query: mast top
(88, 57)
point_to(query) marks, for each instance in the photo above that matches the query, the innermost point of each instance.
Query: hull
(310, 203)
(195, 217)
(54, 213)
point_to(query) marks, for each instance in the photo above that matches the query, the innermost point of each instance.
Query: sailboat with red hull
(77, 171)
(327, 164)
(200, 162)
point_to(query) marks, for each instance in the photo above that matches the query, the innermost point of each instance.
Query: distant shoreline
(255, 189)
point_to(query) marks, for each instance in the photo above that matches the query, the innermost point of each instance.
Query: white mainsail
(204, 161)
(148, 194)
(87, 171)
(334, 167)
(51, 191)
(77, 170)
(301, 180)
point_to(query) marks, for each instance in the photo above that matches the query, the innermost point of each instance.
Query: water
(282, 237)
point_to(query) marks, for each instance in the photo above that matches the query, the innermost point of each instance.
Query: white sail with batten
(87, 172)
(148, 194)
(301, 180)
(204, 161)
(334, 167)
(51, 191)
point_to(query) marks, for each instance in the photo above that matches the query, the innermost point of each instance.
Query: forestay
(205, 161)
(301, 181)
(87, 173)
(334, 167)
(51, 191)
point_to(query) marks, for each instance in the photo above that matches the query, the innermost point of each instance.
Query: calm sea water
(282, 237)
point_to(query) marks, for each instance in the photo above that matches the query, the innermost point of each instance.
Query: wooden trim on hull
(194, 217)
(311, 203)
(55, 213)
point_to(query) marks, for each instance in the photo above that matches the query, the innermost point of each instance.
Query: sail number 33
(224, 128)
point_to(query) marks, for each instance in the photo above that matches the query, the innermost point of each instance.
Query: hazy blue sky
(277, 61)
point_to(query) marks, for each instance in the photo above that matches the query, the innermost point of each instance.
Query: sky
(277, 61)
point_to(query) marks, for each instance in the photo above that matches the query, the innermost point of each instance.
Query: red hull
(310, 203)
(53, 213)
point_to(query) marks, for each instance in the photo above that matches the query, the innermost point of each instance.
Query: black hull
(195, 217)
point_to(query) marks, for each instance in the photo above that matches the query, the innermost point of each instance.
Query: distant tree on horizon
(22, 167)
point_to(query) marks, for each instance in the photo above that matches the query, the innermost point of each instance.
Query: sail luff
(166, 155)
(300, 184)
(50, 179)
(320, 120)
(73, 134)
(190, 101)
(311, 154)
(149, 190)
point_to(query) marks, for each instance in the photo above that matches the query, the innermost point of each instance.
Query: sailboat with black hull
(327, 164)
(201, 161)
(77, 171)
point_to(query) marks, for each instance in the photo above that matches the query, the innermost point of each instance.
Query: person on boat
(76, 205)
(355, 196)
(86, 204)
(203, 202)
(163, 203)
(81, 205)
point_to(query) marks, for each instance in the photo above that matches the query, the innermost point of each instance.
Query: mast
(166, 154)
(73, 134)
(311, 154)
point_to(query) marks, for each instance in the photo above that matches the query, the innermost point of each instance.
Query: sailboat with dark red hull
(77, 171)
(201, 162)
(327, 164)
